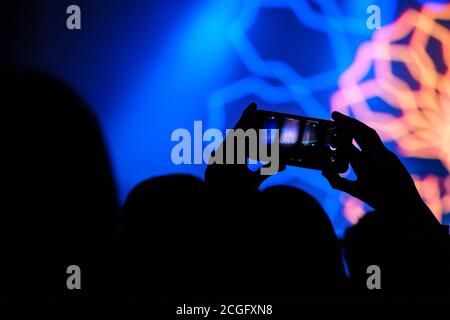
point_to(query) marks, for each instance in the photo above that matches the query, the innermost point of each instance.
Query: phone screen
(304, 142)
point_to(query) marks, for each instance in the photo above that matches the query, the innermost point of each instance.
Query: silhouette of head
(305, 249)
(162, 220)
(60, 188)
(412, 263)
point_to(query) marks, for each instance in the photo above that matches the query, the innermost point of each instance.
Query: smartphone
(305, 142)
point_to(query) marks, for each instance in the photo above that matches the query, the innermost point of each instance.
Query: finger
(366, 137)
(356, 159)
(339, 183)
(244, 121)
(250, 108)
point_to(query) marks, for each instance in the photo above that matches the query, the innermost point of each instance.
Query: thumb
(246, 118)
(250, 108)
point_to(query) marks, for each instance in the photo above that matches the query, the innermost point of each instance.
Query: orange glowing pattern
(422, 130)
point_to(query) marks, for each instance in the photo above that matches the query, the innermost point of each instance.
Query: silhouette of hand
(237, 176)
(382, 180)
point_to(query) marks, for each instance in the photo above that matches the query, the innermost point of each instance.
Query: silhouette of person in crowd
(402, 236)
(163, 239)
(60, 200)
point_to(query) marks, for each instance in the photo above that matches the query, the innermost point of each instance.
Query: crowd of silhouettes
(180, 237)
